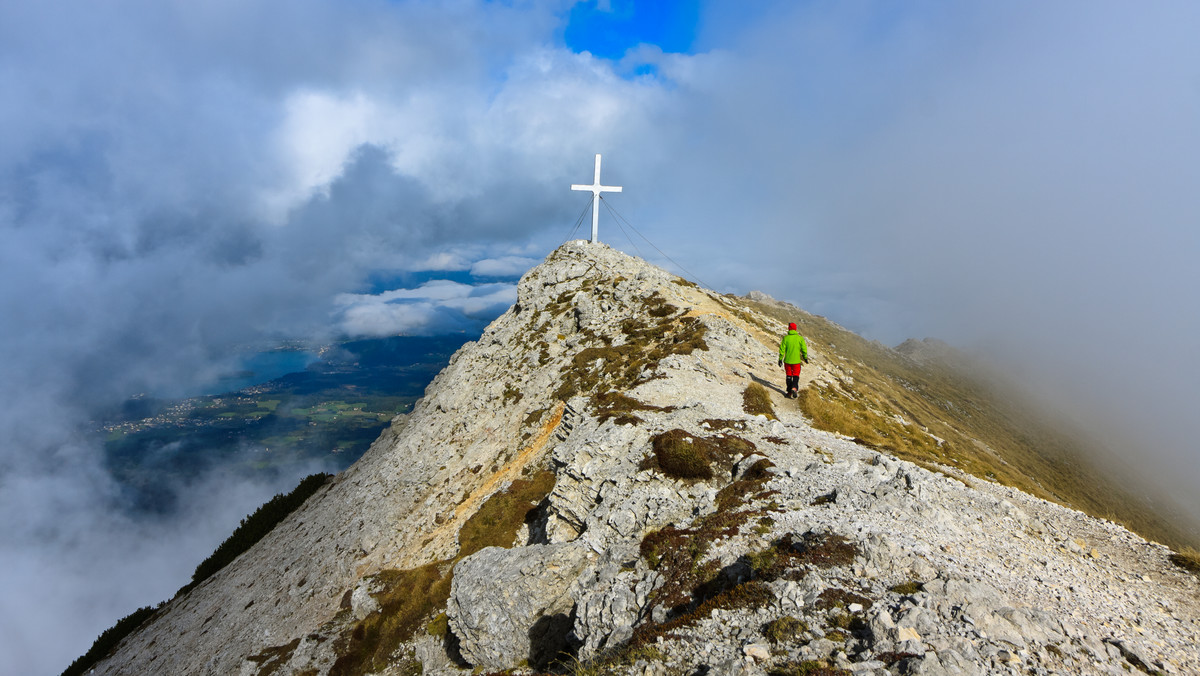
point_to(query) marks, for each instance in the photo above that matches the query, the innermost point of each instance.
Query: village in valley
(328, 415)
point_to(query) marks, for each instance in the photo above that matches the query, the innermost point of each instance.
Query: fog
(179, 179)
(1020, 183)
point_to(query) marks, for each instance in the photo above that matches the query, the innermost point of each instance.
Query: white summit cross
(596, 189)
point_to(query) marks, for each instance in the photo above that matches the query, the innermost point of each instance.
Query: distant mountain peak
(928, 350)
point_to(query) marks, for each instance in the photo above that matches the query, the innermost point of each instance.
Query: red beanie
(792, 326)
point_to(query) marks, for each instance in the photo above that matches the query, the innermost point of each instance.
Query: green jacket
(793, 349)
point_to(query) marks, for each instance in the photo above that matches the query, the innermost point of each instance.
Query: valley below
(321, 418)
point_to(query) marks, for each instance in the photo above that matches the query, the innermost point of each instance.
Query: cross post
(596, 189)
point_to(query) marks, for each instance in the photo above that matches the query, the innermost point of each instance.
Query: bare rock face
(512, 605)
(677, 533)
(610, 600)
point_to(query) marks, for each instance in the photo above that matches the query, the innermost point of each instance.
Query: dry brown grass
(622, 408)
(497, 521)
(1187, 559)
(407, 597)
(757, 401)
(660, 331)
(907, 588)
(682, 456)
(988, 431)
(807, 668)
(785, 629)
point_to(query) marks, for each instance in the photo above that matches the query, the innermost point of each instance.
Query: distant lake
(258, 368)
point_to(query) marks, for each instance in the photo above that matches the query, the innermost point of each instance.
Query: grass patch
(497, 521)
(765, 523)
(819, 550)
(833, 411)
(407, 665)
(676, 554)
(717, 424)
(807, 668)
(621, 407)
(739, 492)
(693, 588)
(407, 597)
(647, 341)
(682, 456)
(752, 594)
(824, 499)
(439, 626)
(1187, 559)
(662, 310)
(614, 659)
(532, 422)
(757, 401)
(785, 629)
(512, 394)
(835, 597)
(270, 660)
(907, 588)
(730, 448)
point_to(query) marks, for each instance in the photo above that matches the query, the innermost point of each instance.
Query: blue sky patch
(609, 28)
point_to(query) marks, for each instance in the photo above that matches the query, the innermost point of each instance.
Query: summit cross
(596, 189)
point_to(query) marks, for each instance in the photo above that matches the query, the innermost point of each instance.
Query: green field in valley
(326, 416)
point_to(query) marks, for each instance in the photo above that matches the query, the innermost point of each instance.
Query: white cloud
(442, 260)
(319, 133)
(435, 306)
(506, 266)
(375, 319)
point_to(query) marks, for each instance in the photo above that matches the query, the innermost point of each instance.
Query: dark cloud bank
(178, 179)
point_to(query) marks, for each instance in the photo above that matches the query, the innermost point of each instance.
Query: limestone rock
(760, 297)
(758, 651)
(610, 598)
(509, 605)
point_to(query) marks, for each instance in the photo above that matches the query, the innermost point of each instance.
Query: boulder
(507, 606)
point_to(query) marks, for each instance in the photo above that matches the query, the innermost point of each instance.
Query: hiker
(792, 352)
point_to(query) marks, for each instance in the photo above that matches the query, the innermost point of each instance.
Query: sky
(179, 179)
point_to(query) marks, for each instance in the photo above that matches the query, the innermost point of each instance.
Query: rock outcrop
(510, 605)
(582, 489)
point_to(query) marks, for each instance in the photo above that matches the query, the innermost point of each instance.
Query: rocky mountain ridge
(610, 481)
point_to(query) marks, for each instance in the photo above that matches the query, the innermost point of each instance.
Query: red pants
(792, 369)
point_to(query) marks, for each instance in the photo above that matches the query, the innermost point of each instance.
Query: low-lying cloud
(505, 266)
(439, 306)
